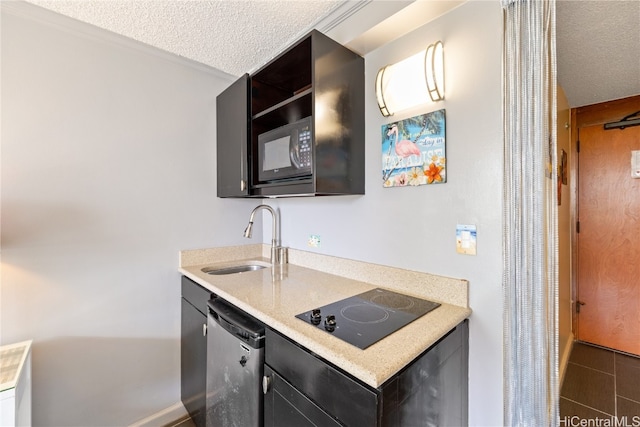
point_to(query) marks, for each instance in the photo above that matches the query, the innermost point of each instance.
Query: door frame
(589, 115)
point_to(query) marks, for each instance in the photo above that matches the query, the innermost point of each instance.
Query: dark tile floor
(600, 384)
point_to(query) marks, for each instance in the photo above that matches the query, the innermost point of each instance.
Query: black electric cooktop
(366, 318)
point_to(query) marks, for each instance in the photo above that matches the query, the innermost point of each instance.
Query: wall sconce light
(408, 82)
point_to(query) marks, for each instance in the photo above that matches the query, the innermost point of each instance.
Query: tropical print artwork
(413, 151)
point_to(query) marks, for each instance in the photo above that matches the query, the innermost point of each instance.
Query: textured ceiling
(233, 36)
(598, 45)
(598, 41)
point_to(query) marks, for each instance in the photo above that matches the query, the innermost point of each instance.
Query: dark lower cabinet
(193, 350)
(304, 390)
(285, 406)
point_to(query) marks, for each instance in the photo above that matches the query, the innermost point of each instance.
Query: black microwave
(286, 152)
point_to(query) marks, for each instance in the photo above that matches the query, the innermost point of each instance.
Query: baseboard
(164, 417)
(564, 358)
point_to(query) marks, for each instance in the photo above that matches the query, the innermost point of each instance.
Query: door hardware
(266, 384)
(632, 119)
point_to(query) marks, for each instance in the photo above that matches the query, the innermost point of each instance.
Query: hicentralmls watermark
(575, 421)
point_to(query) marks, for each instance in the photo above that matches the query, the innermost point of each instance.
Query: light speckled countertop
(311, 280)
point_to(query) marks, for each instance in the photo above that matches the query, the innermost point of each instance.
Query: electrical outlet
(314, 241)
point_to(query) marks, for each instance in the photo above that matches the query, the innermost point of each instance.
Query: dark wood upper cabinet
(315, 77)
(232, 128)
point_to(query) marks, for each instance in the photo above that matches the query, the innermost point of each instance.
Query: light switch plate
(635, 164)
(466, 239)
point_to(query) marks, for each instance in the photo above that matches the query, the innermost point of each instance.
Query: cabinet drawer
(344, 398)
(195, 294)
(285, 406)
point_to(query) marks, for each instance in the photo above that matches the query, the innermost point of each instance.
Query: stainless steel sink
(243, 268)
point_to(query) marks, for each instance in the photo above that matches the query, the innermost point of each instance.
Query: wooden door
(608, 242)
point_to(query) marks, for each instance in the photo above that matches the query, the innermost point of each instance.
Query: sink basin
(233, 269)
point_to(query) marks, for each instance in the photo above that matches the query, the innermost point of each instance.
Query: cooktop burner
(366, 318)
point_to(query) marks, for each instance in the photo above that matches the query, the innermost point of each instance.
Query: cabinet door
(193, 362)
(433, 390)
(232, 123)
(337, 393)
(284, 406)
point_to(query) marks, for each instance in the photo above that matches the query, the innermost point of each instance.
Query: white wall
(107, 172)
(414, 227)
(108, 154)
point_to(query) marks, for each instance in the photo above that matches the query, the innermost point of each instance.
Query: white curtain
(530, 242)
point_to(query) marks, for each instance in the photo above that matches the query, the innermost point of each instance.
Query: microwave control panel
(304, 147)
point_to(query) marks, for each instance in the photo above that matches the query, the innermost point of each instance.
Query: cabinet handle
(243, 185)
(204, 329)
(266, 384)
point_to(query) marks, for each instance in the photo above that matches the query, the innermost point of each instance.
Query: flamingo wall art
(413, 151)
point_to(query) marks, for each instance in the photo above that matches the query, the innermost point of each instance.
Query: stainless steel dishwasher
(235, 363)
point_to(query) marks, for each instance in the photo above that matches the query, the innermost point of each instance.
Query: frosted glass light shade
(412, 81)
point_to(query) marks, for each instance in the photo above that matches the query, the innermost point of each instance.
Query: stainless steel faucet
(279, 254)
